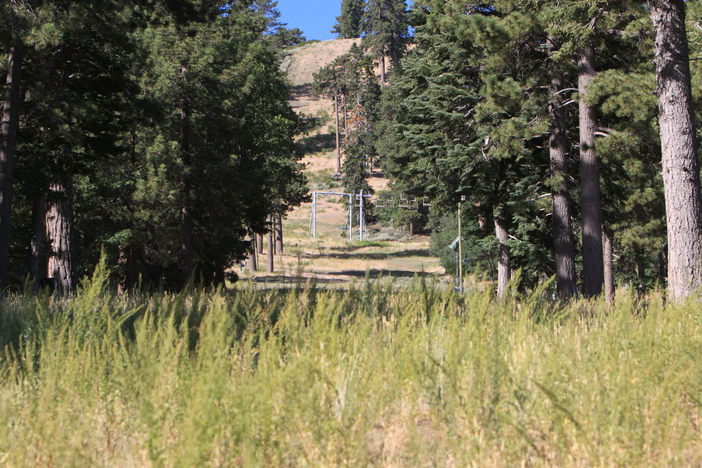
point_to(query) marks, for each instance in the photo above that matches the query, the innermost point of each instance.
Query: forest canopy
(158, 132)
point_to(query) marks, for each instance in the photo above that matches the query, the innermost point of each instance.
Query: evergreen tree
(157, 131)
(75, 99)
(17, 16)
(225, 163)
(582, 28)
(349, 25)
(520, 120)
(439, 153)
(329, 82)
(681, 175)
(386, 31)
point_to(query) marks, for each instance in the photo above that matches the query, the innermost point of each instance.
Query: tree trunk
(593, 270)
(640, 270)
(219, 275)
(681, 174)
(187, 240)
(59, 236)
(563, 249)
(186, 155)
(482, 222)
(37, 243)
(8, 143)
(382, 68)
(411, 228)
(253, 260)
(259, 243)
(278, 233)
(338, 135)
(122, 267)
(346, 119)
(663, 264)
(504, 269)
(608, 252)
(271, 263)
(128, 261)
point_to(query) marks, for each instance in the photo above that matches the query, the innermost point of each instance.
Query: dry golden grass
(372, 376)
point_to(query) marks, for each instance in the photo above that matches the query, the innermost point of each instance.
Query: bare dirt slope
(332, 258)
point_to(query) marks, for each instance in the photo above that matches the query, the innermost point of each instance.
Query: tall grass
(375, 376)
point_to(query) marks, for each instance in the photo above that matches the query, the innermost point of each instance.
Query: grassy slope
(377, 376)
(332, 259)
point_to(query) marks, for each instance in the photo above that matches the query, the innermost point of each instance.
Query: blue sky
(315, 17)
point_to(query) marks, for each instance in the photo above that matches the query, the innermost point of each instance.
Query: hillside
(332, 258)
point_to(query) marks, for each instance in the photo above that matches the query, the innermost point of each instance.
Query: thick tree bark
(608, 252)
(278, 234)
(271, 255)
(59, 236)
(563, 248)
(593, 269)
(338, 135)
(37, 243)
(8, 143)
(186, 219)
(504, 268)
(681, 174)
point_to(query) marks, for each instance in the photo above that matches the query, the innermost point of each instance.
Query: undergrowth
(377, 376)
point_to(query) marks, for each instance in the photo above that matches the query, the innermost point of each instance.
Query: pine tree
(559, 147)
(16, 16)
(679, 145)
(386, 31)
(132, 113)
(349, 25)
(591, 205)
(71, 117)
(246, 166)
(440, 153)
(8, 142)
(629, 149)
(579, 28)
(506, 44)
(329, 82)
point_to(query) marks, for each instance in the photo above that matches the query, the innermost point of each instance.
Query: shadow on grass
(317, 143)
(376, 274)
(300, 91)
(364, 245)
(370, 256)
(282, 279)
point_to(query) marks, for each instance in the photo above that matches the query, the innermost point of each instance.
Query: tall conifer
(349, 25)
(681, 174)
(386, 31)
